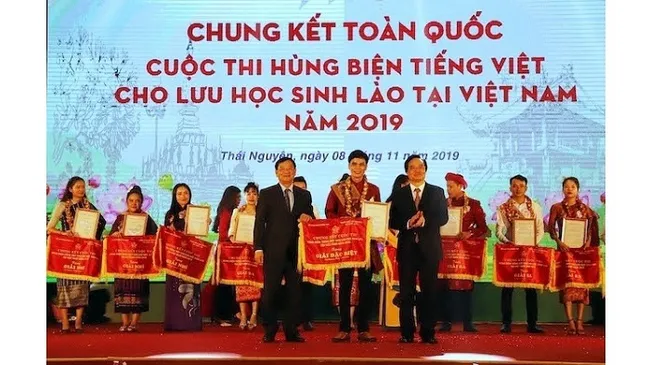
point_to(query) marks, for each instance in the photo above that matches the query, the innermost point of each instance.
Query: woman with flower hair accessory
(132, 295)
(72, 293)
(573, 207)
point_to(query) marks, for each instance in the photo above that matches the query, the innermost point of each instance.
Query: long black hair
(228, 203)
(68, 194)
(397, 184)
(175, 207)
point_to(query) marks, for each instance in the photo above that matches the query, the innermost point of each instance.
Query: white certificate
(85, 223)
(134, 224)
(574, 232)
(377, 212)
(523, 232)
(197, 220)
(245, 227)
(454, 225)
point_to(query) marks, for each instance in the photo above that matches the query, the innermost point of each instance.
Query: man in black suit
(279, 208)
(418, 210)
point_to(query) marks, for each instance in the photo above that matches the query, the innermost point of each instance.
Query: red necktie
(417, 206)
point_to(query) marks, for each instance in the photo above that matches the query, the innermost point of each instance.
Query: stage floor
(102, 343)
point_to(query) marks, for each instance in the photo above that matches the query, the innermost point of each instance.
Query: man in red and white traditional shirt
(518, 206)
(344, 200)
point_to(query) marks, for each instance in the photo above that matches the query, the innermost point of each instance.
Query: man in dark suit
(279, 208)
(418, 210)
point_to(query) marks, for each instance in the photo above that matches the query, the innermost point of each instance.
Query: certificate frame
(455, 211)
(239, 236)
(136, 220)
(524, 241)
(86, 218)
(571, 242)
(379, 231)
(193, 211)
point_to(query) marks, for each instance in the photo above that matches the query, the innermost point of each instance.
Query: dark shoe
(446, 327)
(535, 329)
(506, 328)
(308, 326)
(268, 339)
(405, 339)
(367, 337)
(342, 336)
(469, 327)
(429, 340)
(295, 338)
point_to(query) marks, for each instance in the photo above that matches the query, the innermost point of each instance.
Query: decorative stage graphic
(212, 93)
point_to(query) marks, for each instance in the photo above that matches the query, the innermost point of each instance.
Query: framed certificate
(135, 224)
(378, 213)
(454, 225)
(524, 232)
(244, 228)
(574, 232)
(196, 220)
(85, 223)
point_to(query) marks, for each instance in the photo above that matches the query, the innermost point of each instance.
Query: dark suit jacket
(434, 207)
(276, 228)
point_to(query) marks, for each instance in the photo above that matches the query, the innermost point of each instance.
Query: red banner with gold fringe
(462, 259)
(522, 266)
(70, 257)
(577, 268)
(182, 256)
(129, 257)
(236, 265)
(316, 277)
(334, 244)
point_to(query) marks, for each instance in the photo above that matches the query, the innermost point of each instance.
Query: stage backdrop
(213, 92)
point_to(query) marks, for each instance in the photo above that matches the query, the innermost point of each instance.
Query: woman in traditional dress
(224, 295)
(182, 298)
(132, 295)
(72, 293)
(474, 226)
(247, 296)
(573, 207)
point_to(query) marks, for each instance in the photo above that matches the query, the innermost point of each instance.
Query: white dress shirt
(413, 187)
(503, 224)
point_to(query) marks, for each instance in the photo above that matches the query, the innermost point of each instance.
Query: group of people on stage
(418, 210)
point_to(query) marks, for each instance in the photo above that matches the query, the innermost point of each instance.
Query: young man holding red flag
(344, 200)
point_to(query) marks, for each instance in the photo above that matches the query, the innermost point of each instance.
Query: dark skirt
(182, 305)
(72, 293)
(131, 295)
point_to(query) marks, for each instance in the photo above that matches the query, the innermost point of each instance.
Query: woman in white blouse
(246, 296)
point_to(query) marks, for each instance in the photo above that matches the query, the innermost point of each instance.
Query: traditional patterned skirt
(354, 294)
(245, 293)
(575, 295)
(72, 293)
(131, 295)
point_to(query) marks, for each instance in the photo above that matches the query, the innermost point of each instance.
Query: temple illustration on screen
(544, 142)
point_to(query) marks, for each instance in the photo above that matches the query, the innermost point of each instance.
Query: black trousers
(274, 269)
(408, 270)
(305, 294)
(531, 306)
(346, 277)
(454, 304)
(225, 306)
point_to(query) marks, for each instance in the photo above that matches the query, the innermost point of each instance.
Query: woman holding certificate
(74, 293)
(132, 295)
(182, 303)
(571, 208)
(241, 231)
